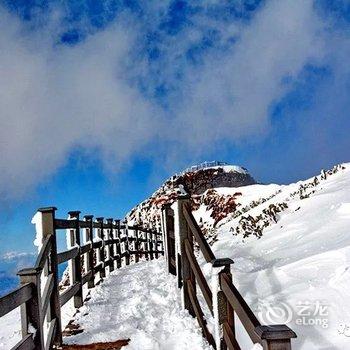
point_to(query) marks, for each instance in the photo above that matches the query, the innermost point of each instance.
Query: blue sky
(100, 101)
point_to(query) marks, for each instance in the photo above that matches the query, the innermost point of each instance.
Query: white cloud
(56, 97)
(232, 96)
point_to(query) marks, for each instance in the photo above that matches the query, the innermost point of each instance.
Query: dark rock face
(197, 182)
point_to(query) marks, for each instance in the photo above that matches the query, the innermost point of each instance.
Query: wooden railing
(225, 303)
(107, 245)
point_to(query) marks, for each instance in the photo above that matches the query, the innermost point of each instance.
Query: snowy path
(140, 302)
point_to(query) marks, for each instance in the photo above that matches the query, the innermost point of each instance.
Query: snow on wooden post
(126, 244)
(48, 229)
(101, 250)
(167, 221)
(89, 256)
(145, 242)
(31, 315)
(74, 240)
(183, 234)
(110, 247)
(114, 250)
(155, 244)
(275, 337)
(150, 243)
(118, 251)
(137, 247)
(222, 310)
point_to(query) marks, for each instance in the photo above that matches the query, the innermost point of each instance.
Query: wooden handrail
(243, 311)
(199, 313)
(229, 338)
(47, 294)
(43, 254)
(15, 298)
(69, 293)
(203, 284)
(26, 343)
(67, 255)
(40, 307)
(202, 242)
(182, 261)
(63, 224)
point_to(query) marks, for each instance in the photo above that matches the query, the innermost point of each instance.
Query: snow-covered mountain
(200, 183)
(291, 250)
(296, 267)
(290, 245)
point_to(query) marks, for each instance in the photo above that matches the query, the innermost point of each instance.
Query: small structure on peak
(215, 164)
(199, 178)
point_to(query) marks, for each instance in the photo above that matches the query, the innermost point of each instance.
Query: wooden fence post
(101, 251)
(137, 245)
(76, 263)
(275, 337)
(145, 243)
(48, 229)
(110, 247)
(155, 245)
(183, 233)
(89, 257)
(167, 221)
(126, 244)
(114, 249)
(31, 310)
(222, 310)
(150, 242)
(119, 254)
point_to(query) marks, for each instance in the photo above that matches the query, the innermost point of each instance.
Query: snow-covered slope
(142, 303)
(298, 271)
(194, 182)
(291, 248)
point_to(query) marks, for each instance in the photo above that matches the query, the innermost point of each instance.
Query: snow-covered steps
(142, 303)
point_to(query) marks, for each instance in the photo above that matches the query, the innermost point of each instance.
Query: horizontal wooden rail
(199, 314)
(43, 254)
(243, 311)
(229, 338)
(87, 277)
(202, 242)
(67, 255)
(16, 298)
(63, 224)
(47, 294)
(202, 282)
(224, 300)
(94, 248)
(69, 293)
(97, 244)
(27, 343)
(85, 248)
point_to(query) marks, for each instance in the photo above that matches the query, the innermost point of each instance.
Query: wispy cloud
(207, 82)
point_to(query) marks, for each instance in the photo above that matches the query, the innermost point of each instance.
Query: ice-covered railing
(181, 235)
(95, 247)
(214, 164)
(204, 165)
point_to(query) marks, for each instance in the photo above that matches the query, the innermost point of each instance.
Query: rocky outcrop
(197, 182)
